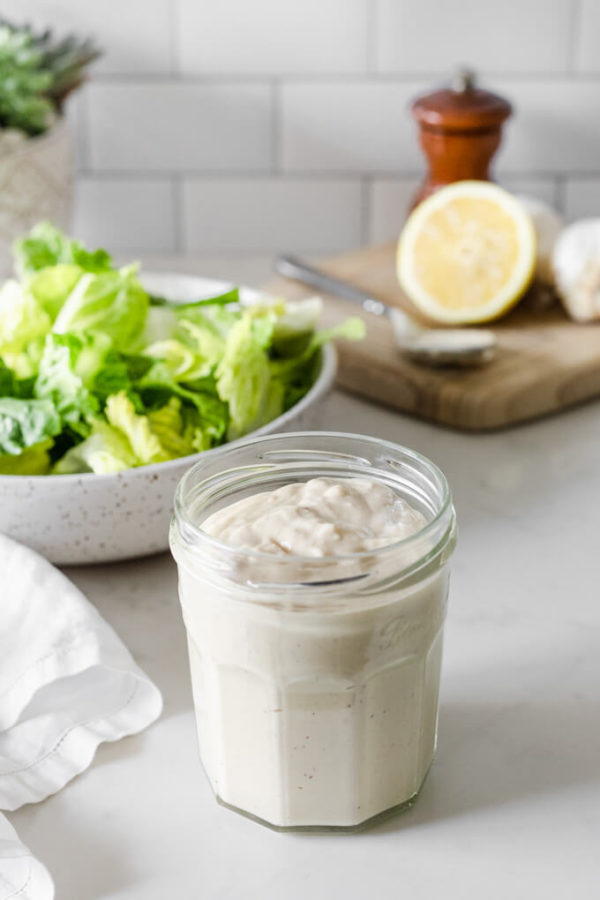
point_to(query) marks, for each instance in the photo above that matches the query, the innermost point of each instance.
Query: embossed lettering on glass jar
(315, 679)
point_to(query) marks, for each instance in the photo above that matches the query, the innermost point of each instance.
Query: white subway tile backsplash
(556, 127)
(389, 201)
(258, 214)
(125, 215)
(195, 107)
(540, 188)
(179, 127)
(366, 127)
(356, 126)
(135, 35)
(582, 198)
(587, 51)
(273, 37)
(439, 35)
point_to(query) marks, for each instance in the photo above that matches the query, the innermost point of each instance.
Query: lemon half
(467, 253)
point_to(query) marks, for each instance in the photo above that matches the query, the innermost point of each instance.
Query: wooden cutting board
(544, 363)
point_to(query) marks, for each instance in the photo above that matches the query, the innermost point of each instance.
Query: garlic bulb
(547, 224)
(576, 263)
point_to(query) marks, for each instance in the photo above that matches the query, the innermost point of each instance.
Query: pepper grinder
(460, 129)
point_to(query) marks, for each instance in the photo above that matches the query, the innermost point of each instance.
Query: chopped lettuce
(60, 381)
(126, 440)
(46, 246)
(51, 287)
(22, 320)
(144, 443)
(98, 376)
(244, 374)
(105, 450)
(34, 460)
(112, 302)
(24, 423)
(208, 414)
(177, 436)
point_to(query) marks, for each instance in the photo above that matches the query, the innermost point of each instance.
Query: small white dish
(88, 518)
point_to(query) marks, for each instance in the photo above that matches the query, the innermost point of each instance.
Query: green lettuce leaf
(231, 296)
(46, 245)
(11, 386)
(183, 363)
(8, 381)
(24, 423)
(128, 439)
(160, 325)
(23, 325)
(50, 287)
(33, 461)
(144, 443)
(208, 414)
(112, 302)
(297, 374)
(243, 375)
(190, 346)
(175, 430)
(105, 450)
(66, 361)
(295, 326)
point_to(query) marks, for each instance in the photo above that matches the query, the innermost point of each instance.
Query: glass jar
(316, 688)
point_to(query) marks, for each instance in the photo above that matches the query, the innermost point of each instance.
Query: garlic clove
(576, 264)
(548, 224)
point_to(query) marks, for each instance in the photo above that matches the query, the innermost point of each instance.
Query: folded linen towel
(67, 683)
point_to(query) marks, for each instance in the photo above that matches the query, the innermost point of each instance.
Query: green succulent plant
(36, 74)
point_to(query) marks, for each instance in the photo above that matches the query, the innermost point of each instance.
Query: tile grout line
(276, 136)
(178, 223)
(350, 79)
(173, 38)
(560, 192)
(575, 20)
(323, 175)
(371, 36)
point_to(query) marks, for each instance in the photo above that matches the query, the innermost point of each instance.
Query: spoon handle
(291, 267)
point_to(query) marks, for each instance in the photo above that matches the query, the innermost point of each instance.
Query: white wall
(254, 125)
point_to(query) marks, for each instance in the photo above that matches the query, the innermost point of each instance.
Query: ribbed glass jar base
(328, 829)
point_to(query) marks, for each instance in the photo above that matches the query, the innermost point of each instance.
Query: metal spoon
(429, 346)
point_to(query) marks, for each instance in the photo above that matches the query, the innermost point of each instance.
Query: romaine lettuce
(24, 423)
(59, 381)
(113, 303)
(32, 461)
(46, 246)
(23, 323)
(105, 450)
(96, 376)
(50, 287)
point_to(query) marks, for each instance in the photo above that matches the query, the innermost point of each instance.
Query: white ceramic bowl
(88, 518)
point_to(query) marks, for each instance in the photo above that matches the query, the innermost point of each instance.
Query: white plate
(87, 518)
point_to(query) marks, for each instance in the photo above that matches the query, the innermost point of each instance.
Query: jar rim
(201, 537)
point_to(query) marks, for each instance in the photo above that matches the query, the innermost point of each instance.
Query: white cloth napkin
(67, 683)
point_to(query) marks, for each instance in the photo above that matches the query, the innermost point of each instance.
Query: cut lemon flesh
(467, 253)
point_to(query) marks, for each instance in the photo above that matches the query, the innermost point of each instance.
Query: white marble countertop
(512, 805)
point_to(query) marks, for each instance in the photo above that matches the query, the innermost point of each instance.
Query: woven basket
(36, 183)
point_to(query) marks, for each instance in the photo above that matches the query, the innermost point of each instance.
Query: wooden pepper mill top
(460, 130)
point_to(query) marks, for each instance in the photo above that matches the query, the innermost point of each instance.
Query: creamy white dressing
(316, 715)
(317, 518)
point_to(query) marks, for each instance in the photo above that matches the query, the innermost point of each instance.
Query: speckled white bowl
(82, 519)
